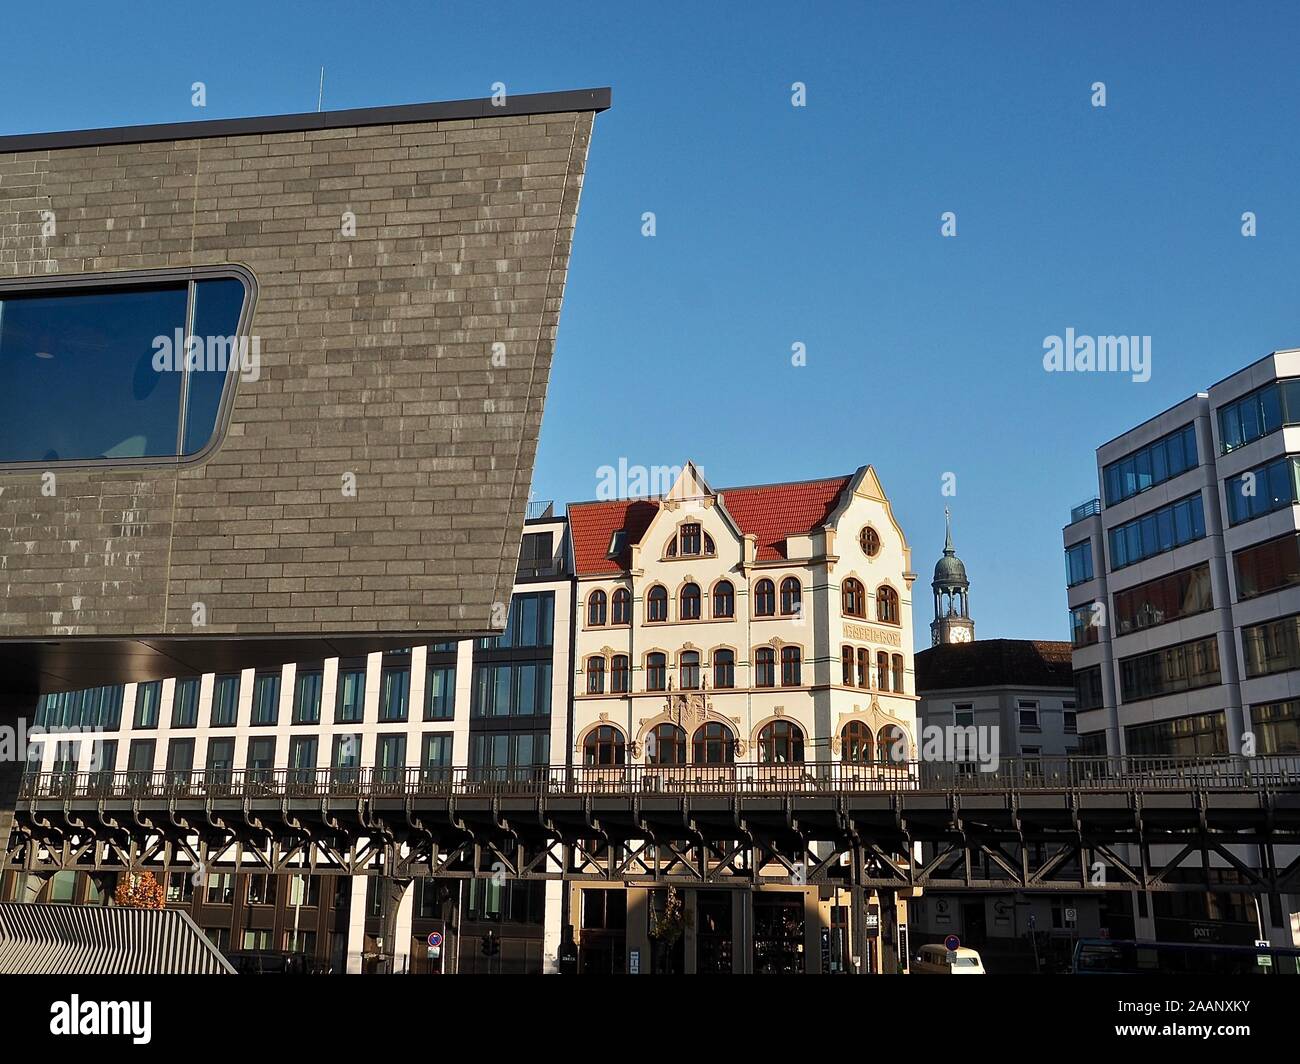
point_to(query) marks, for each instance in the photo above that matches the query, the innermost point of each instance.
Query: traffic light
(491, 945)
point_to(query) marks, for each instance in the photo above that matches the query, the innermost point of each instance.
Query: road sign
(435, 939)
(952, 943)
(1071, 916)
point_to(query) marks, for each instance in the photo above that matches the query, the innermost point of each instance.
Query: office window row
(1161, 530)
(511, 689)
(1078, 563)
(1259, 413)
(1272, 486)
(530, 622)
(1169, 598)
(1276, 726)
(1169, 670)
(94, 707)
(1273, 646)
(1268, 566)
(1155, 463)
(1202, 735)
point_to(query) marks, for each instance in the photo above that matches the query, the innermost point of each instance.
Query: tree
(139, 891)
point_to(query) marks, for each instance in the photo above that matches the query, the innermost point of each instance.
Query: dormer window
(616, 543)
(691, 541)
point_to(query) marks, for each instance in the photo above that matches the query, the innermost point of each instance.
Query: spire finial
(947, 543)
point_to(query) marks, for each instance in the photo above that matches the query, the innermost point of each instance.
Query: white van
(939, 960)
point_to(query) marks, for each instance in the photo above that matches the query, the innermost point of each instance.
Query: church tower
(952, 623)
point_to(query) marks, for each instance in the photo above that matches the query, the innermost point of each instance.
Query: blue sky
(821, 224)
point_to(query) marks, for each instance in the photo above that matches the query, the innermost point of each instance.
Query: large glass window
(1184, 667)
(1159, 531)
(1277, 727)
(440, 692)
(1262, 490)
(1160, 601)
(350, 699)
(394, 694)
(1085, 624)
(1204, 735)
(307, 686)
(1263, 411)
(147, 698)
(724, 669)
(1078, 563)
(1155, 463)
(113, 370)
(266, 698)
(511, 689)
(1272, 647)
(1267, 566)
(225, 701)
(185, 703)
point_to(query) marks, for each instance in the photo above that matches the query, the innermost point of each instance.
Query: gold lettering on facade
(873, 635)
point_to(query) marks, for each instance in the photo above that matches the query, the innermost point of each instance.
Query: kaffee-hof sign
(870, 634)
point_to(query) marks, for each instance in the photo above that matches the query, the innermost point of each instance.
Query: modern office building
(495, 704)
(270, 388)
(1183, 583)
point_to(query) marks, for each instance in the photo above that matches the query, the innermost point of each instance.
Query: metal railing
(1087, 508)
(1046, 774)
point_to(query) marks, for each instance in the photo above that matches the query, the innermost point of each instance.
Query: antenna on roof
(320, 96)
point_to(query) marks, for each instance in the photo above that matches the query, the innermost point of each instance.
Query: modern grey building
(1183, 583)
(271, 387)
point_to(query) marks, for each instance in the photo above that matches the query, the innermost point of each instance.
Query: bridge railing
(1041, 774)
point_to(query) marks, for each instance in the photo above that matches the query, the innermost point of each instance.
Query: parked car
(940, 960)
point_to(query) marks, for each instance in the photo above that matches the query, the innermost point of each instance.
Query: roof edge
(537, 103)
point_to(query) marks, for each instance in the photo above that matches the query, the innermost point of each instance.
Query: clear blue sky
(821, 224)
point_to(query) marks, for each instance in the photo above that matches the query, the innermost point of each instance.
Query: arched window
(596, 609)
(670, 551)
(666, 745)
(656, 603)
(688, 667)
(846, 666)
(713, 745)
(853, 598)
(897, 661)
(724, 669)
(791, 596)
(887, 604)
(764, 598)
(708, 545)
(619, 674)
(882, 671)
(781, 743)
(622, 606)
(864, 668)
(689, 603)
(791, 667)
(869, 541)
(765, 667)
(595, 676)
(855, 743)
(724, 599)
(656, 672)
(604, 746)
(892, 746)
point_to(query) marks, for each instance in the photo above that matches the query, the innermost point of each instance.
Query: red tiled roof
(770, 512)
(593, 524)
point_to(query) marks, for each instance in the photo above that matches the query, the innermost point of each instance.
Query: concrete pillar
(356, 925)
(401, 947)
(553, 926)
(691, 914)
(742, 931)
(888, 933)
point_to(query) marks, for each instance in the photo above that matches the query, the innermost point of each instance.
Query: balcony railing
(1086, 509)
(821, 778)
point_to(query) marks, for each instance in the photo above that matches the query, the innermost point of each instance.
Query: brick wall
(376, 360)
